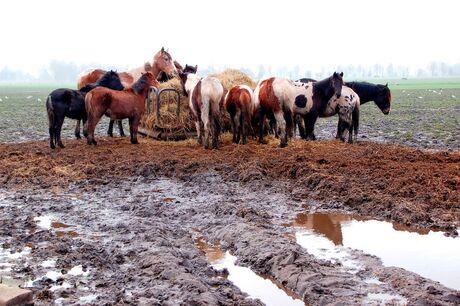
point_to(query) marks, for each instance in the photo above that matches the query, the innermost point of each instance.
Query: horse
(162, 62)
(128, 103)
(70, 103)
(163, 77)
(205, 98)
(283, 98)
(366, 92)
(239, 104)
(380, 94)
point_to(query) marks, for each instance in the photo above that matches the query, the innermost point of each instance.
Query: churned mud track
(138, 210)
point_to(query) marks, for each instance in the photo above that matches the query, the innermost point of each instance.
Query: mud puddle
(256, 286)
(427, 253)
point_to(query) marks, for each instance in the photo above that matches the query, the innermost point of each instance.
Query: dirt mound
(387, 181)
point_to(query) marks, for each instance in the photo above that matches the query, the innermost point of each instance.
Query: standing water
(248, 281)
(427, 253)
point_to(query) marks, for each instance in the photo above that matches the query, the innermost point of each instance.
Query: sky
(236, 33)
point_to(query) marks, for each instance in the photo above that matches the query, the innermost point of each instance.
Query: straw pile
(168, 101)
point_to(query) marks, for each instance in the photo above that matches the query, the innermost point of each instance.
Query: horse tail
(51, 120)
(355, 119)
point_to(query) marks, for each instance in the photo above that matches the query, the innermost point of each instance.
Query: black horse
(163, 77)
(70, 103)
(380, 94)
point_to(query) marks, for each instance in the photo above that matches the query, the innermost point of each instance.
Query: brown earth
(135, 211)
(401, 184)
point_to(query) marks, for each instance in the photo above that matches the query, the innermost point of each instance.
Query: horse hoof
(78, 136)
(110, 135)
(122, 135)
(283, 145)
(134, 142)
(61, 145)
(52, 146)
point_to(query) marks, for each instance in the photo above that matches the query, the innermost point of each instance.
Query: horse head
(190, 68)
(383, 99)
(164, 62)
(337, 83)
(188, 81)
(111, 79)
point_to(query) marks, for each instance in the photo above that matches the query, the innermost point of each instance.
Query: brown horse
(162, 62)
(128, 103)
(238, 103)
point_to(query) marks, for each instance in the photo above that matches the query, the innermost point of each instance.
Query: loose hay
(170, 123)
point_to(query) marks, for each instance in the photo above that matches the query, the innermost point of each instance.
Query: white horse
(205, 97)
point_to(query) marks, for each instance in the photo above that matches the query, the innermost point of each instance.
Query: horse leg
(244, 126)
(110, 129)
(51, 119)
(57, 130)
(289, 122)
(232, 121)
(300, 125)
(281, 123)
(260, 120)
(310, 120)
(207, 127)
(199, 131)
(120, 128)
(237, 123)
(93, 119)
(133, 125)
(85, 127)
(77, 129)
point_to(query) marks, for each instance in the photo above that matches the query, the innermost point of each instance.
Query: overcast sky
(235, 33)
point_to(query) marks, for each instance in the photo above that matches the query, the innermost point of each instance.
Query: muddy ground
(135, 211)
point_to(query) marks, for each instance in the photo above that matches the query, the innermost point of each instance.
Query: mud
(135, 213)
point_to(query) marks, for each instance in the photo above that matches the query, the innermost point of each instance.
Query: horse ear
(196, 68)
(162, 49)
(341, 74)
(335, 74)
(386, 85)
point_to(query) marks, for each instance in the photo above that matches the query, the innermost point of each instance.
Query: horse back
(89, 76)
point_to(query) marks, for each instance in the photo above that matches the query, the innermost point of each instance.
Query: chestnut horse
(128, 103)
(283, 98)
(205, 97)
(70, 103)
(238, 103)
(162, 62)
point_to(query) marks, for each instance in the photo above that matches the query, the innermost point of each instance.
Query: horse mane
(140, 84)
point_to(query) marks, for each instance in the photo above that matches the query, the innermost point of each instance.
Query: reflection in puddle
(425, 252)
(245, 279)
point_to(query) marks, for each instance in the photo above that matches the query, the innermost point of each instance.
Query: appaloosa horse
(128, 103)
(284, 98)
(239, 104)
(70, 103)
(162, 62)
(205, 97)
(366, 92)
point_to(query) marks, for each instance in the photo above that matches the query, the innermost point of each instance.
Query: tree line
(67, 72)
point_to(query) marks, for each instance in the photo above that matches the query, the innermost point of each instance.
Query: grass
(423, 115)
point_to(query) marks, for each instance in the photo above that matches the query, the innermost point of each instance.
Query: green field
(425, 114)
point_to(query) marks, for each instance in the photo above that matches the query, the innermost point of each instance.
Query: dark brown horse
(163, 77)
(128, 103)
(70, 103)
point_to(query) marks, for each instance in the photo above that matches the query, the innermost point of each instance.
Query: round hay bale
(168, 102)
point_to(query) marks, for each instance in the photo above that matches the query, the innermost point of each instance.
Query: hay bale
(168, 118)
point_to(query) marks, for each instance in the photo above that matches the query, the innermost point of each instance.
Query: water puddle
(425, 252)
(62, 229)
(263, 288)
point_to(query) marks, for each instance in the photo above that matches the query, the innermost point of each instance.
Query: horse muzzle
(386, 111)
